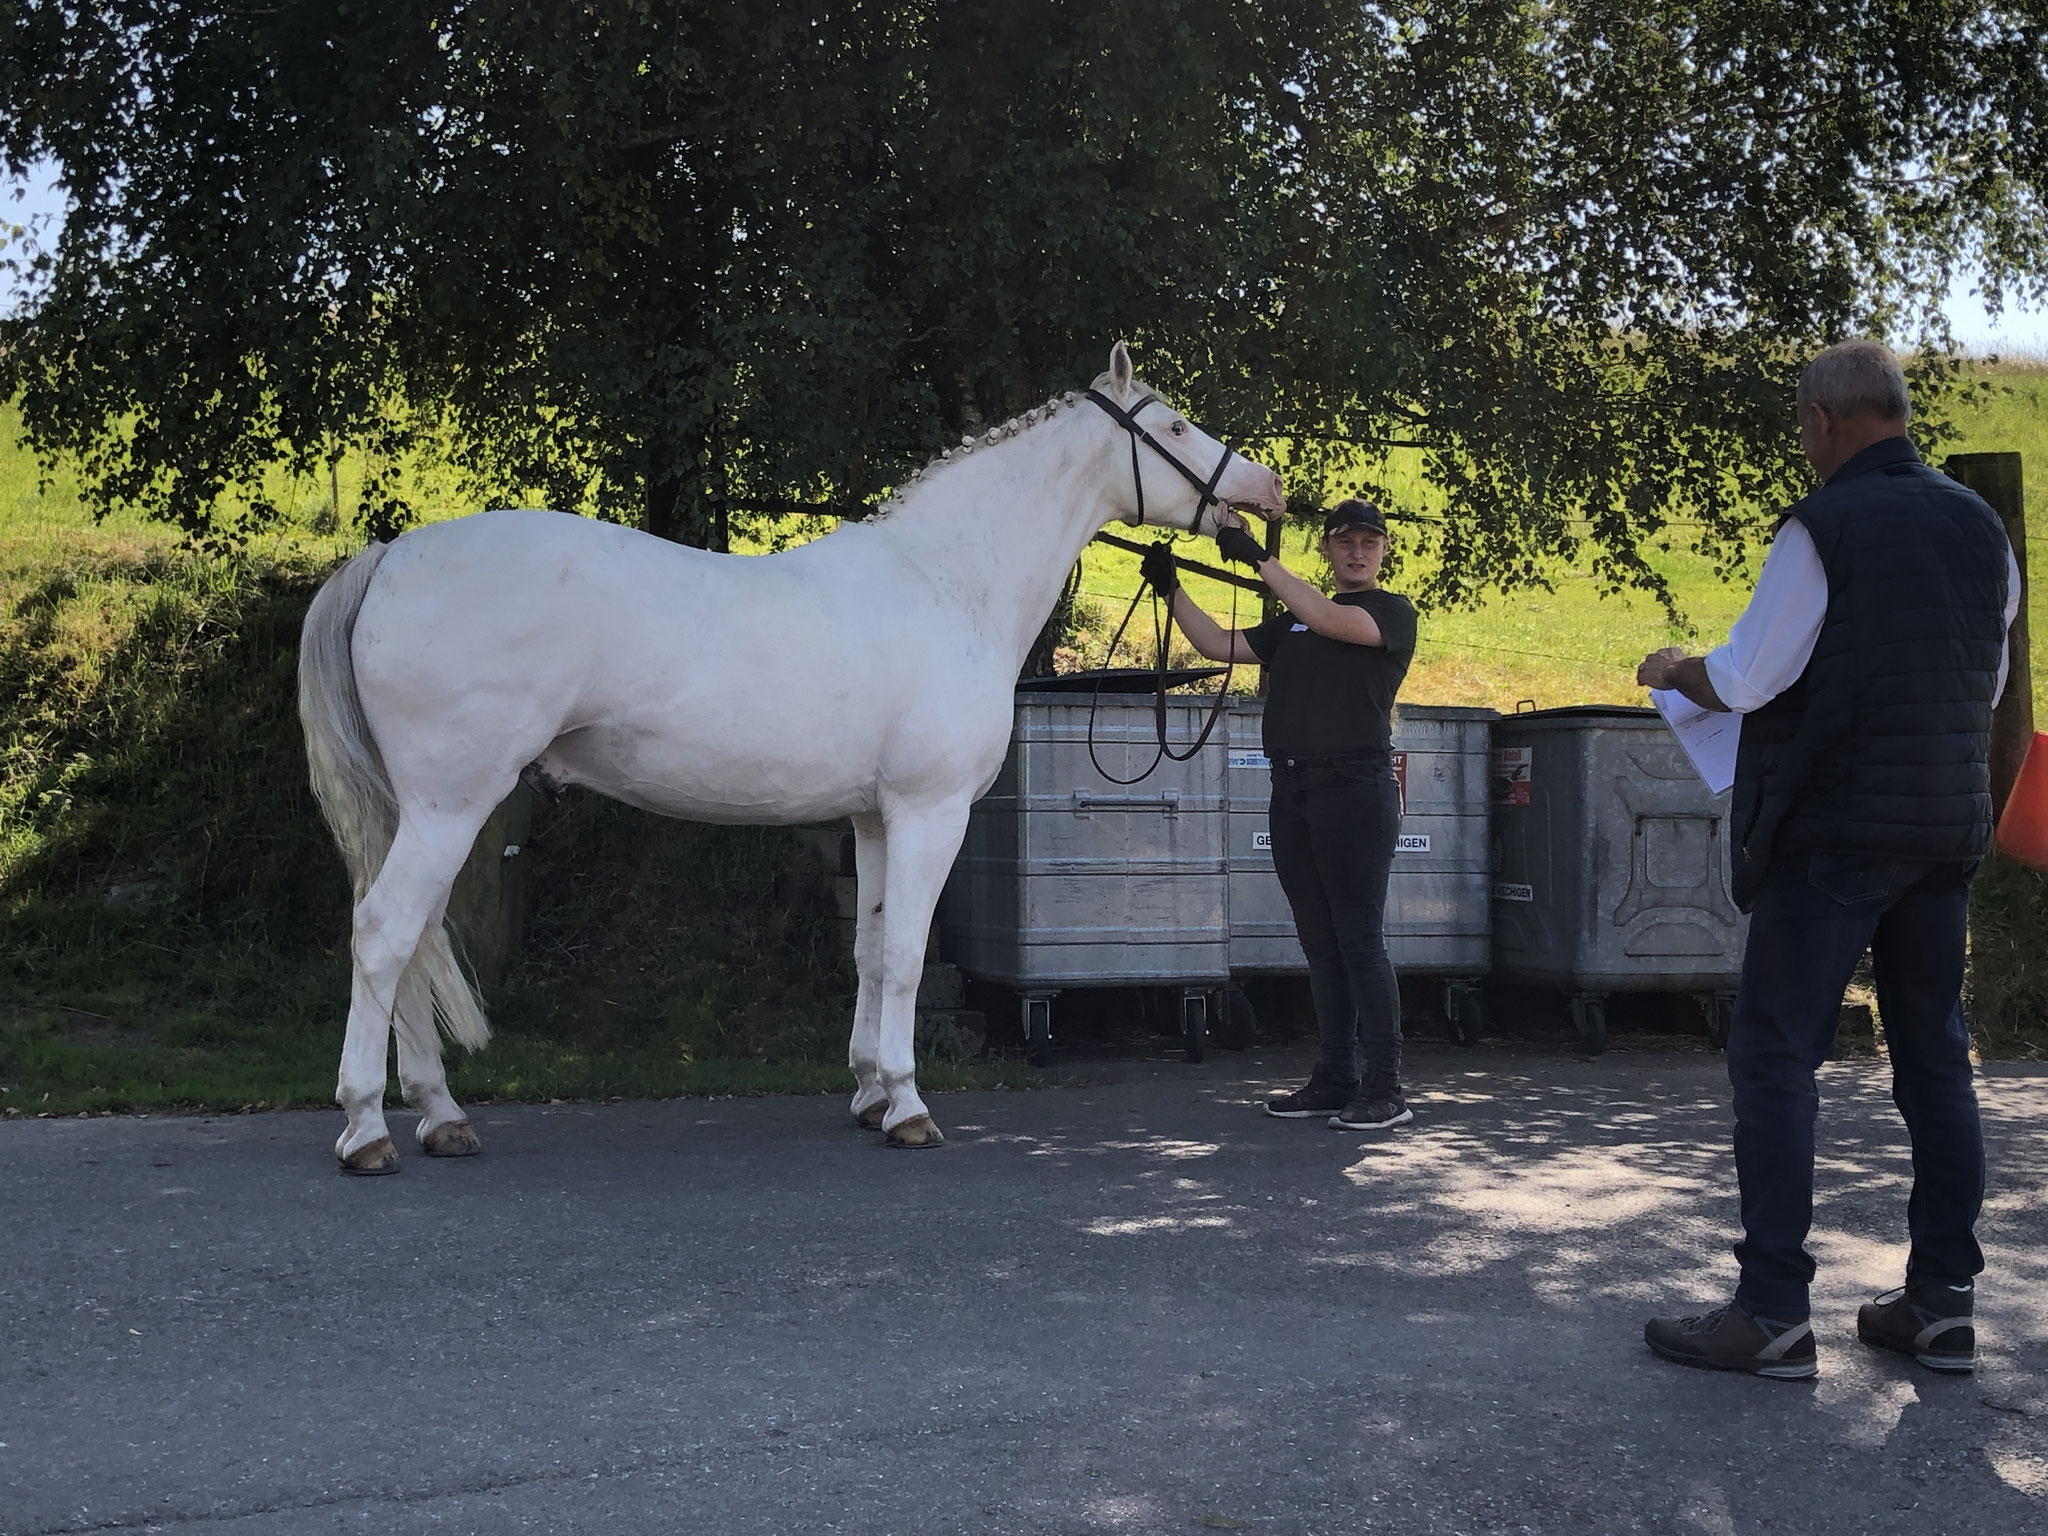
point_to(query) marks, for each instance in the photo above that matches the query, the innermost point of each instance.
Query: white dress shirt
(1770, 645)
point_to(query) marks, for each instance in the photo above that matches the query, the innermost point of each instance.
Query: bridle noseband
(1128, 420)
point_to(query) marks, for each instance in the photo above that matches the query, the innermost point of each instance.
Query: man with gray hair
(1865, 667)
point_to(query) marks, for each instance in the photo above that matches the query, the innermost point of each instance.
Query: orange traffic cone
(2023, 825)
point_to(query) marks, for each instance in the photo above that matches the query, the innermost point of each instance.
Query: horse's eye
(1180, 429)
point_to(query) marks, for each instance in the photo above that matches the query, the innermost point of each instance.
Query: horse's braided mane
(1016, 425)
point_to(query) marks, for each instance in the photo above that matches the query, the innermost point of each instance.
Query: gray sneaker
(1934, 1325)
(1729, 1339)
(1373, 1114)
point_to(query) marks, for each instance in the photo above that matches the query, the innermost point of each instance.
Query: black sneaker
(1932, 1324)
(1374, 1114)
(1318, 1096)
(1729, 1339)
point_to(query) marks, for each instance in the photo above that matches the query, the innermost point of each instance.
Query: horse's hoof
(918, 1131)
(372, 1157)
(870, 1119)
(453, 1138)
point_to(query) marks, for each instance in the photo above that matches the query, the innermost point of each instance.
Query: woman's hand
(1234, 542)
(1156, 566)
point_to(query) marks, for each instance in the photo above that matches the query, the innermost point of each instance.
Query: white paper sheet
(1709, 736)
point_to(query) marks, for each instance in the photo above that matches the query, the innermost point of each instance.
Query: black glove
(1156, 566)
(1233, 543)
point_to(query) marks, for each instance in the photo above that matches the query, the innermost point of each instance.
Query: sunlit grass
(1576, 644)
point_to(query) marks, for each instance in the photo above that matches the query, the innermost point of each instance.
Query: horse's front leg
(870, 1098)
(922, 845)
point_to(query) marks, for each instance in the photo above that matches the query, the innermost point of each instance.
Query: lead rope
(1162, 639)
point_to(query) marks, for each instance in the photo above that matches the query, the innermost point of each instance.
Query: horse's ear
(1120, 371)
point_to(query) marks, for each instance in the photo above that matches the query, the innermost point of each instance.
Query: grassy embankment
(174, 920)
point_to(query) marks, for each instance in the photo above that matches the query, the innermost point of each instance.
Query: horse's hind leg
(444, 1128)
(870, 1098)
(409, 891)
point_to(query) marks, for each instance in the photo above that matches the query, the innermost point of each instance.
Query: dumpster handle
(1711, 818)
(1086, 800)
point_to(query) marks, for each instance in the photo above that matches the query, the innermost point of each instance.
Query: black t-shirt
(1327, 696)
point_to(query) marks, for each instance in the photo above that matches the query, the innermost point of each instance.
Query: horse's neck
(998, 533)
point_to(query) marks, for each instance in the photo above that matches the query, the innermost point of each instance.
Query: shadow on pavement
(1130, 1304)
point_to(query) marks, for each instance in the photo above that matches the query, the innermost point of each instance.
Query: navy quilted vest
(1882, 745)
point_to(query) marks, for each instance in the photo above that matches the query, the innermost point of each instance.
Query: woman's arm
(1337, 621)
(1206, 635)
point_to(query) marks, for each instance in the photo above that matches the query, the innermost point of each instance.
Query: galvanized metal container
(1613, 867)
(1069, 879)
(1439, 917)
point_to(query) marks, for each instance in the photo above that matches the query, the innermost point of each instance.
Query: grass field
(174, 920)
(1574, 644)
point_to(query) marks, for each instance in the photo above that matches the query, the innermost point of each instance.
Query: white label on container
(1262, 840)
(1409, 842)
(1507, 891)
(1250, 760)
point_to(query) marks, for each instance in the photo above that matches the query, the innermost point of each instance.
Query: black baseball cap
(1354, 514)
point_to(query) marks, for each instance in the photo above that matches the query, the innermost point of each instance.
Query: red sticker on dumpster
(1511, 775)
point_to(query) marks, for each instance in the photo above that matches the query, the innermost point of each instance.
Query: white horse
(867, 674)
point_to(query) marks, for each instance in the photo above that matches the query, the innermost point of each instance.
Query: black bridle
(1207, 497)
(1128, 420)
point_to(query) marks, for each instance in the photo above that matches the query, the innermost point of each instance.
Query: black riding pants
(1334, 823)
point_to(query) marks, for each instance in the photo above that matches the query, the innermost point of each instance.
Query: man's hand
(1655, 672)
(1672, 668)
(1233, 543)
(1156, 566)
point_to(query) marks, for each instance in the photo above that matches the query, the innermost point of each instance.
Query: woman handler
(1334, 665)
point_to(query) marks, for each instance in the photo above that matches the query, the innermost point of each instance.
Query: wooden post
(1997, 478)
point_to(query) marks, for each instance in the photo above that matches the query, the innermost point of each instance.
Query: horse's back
(701, 684)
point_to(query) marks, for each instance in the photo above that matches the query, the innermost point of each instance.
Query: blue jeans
(1334, 822)
(1815, 916)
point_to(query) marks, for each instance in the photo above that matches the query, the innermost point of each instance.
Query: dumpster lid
(1444, 712)
(1116, 680)
(1585, 712)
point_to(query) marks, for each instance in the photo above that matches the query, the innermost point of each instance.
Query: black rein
(1206, 490)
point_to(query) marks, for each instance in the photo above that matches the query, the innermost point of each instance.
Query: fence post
(1997, 478)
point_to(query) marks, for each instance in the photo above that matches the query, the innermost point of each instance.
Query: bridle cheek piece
(1128, 420)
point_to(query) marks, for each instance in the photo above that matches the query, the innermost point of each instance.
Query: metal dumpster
(1439, 919)
(1068, 879)
(1612, 865)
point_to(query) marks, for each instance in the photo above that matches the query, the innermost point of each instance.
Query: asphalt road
(1129, 1305)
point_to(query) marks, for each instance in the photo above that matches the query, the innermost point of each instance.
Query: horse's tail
(354, 790)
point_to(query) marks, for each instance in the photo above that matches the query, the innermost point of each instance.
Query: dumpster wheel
(1038, 1028)
(1194, 1023)
(1589, 1018)
(1720, 1010)
(1233, 1023)
(1464, 1011)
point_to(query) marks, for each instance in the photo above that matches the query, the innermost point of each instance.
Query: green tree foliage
(680, 263)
